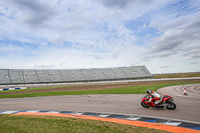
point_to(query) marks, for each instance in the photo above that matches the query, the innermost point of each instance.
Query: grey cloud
(44, 66)
(193, 54)
(115, 3)
(164, 66)
(166, 43)
(34, 12)
(115, 56)
(146, 58)
(180, 37)
(97, 58)
(123, 3)
(194, 63)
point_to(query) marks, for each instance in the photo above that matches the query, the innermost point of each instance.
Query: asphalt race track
(187, 105)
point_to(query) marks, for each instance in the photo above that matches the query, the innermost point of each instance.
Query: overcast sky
(163, 35)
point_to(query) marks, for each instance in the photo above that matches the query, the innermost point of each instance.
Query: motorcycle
(166, 101)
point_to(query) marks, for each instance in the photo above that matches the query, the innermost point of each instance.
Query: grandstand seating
(66, 74)
(4, 76)
(26, 76)
(77, 75)
(146, 71)
(109, 74)
(87, 74)
(139, 71)
(16, 76)
(119, 74)
(98, 74)
(129, 72)
(30, 76)
(55, 76)
(43, 76)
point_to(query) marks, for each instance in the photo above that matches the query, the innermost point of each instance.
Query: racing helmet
(149, 91)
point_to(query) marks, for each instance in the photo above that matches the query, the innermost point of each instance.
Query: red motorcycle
(166, 101)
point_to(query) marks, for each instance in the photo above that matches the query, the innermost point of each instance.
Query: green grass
(177, 75)
(123, 90)
(44, 124)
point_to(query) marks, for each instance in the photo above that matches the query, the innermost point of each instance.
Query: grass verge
(49, 124)
(123, 90)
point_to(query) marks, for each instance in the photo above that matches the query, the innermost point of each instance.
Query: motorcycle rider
(152, 95)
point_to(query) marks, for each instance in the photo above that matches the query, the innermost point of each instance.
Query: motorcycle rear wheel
(171, 105)
(144, 105)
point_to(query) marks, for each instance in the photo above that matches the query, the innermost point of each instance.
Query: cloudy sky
(69, 34)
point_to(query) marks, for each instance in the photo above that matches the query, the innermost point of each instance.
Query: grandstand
(35, 76)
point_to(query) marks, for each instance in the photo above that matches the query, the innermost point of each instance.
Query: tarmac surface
(187, 105)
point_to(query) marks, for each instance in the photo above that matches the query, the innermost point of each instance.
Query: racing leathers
(154, 95)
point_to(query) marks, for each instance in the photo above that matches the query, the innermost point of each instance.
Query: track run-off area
(187, 110)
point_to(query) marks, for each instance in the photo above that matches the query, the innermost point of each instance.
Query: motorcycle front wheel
(171, 105)
(144, 105)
